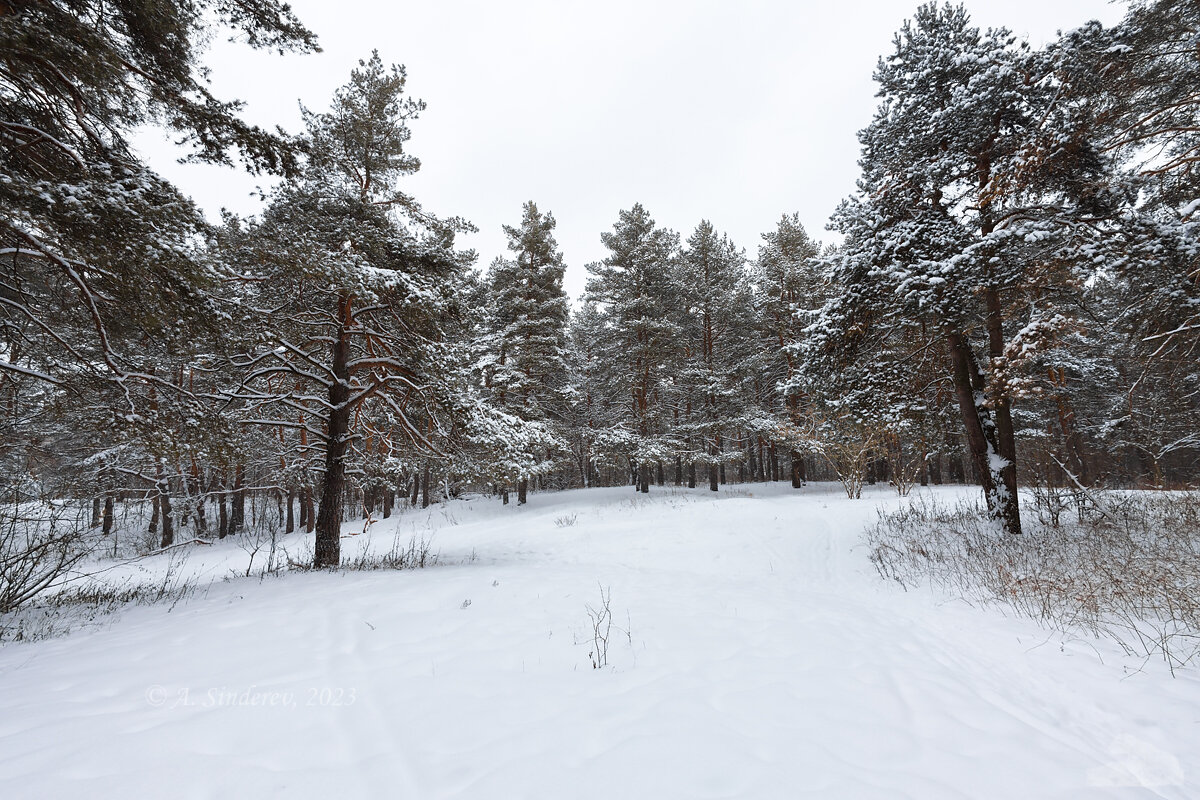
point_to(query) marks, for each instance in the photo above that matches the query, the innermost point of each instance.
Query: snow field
(763, 658)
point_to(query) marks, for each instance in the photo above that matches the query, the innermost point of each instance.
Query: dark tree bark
(981, 433)
(425, 486)
(96, 512)
(691, 474)
(329, 513)
(1006, 441)
(223, 512)
(107, 522)
(168, 525)
(237, 515)
(154, 512)
(522, 491)
(290, 525)
(798, 476)
(678, 470)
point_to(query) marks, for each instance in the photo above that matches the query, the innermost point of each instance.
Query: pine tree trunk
(643, 477)
(237, 517)
(164, 507)
(522, 491)
(311, 509)
(329, 514)
(304, 508)
(96, 512)
(223, 511)
(678, 470)
(154, 511)
(389, 496)
(201, 496)
(425, 486)
(968, 384)
(691, 474)
(290, 525)
(1006, 441)
(107, 522)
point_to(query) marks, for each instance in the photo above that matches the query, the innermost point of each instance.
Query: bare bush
(89, 602)
(1125, 566)
(416, 554)
(40, 541)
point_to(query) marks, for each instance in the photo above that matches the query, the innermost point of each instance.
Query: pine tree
(977, 194)
(359, 282)
(717, 309)
(634, 284)
(787, 284)
(526, 340)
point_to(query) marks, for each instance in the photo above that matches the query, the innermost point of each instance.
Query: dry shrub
(1124, 566)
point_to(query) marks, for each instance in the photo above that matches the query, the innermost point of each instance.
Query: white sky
(734, 112)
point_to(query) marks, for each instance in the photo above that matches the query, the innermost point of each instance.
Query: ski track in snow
(764, 659)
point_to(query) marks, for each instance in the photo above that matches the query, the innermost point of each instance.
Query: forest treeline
(1014, 298)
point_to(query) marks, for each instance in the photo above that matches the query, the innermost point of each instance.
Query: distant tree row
(1015, 298)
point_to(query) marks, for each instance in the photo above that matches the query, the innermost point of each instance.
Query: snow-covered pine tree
(348, 285)
(716, 317)
(635, 287)
(787, 283)
(104, 280)
(977, 191)
(526, 337)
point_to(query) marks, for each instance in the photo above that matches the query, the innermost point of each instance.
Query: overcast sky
(737, 112)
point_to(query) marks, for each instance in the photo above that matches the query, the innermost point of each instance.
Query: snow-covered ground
(754, 654)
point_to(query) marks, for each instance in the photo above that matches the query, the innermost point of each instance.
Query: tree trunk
(107, 522)
(291, 515)
(168, 525)
(237, 516)
(223, 512)
(522, 491)
(164, 508)
(691, 474)
(678, 470)
(425, 486)
(329, 515)
(1006, 442)
(797, 469)
(154, 512)
(968, 385)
